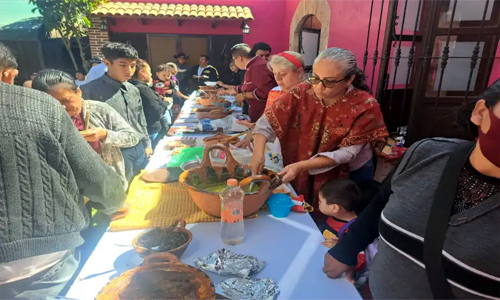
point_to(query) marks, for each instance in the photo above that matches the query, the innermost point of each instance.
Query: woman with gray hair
(325, 126)
(288, 69)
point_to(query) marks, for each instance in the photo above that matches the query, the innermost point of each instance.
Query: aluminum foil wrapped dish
(225, 262)
(250, 289)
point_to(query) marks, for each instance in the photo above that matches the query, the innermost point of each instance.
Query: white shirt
(96, 72)
(78, 82)
(200, 70)
(27, 267)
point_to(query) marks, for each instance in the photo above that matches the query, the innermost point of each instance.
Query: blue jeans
(134, 159)
(364, 173)
(48, 283)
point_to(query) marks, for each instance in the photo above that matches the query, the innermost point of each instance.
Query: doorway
(162, 48)
(309, 39)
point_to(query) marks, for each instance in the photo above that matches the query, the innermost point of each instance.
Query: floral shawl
(305, 127)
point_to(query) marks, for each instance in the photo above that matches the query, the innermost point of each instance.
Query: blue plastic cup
(280, 205)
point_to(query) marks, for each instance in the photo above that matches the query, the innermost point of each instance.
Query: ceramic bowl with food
(161, 276)
(190, 164)
(221, 138)
(205, 183)
(212, 112)
(173, 239)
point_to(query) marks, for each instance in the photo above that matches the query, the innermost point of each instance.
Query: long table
(290, 246)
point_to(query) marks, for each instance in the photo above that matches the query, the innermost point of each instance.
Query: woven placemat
(157, 205)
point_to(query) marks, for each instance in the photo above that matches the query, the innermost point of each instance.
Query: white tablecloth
(290, 246)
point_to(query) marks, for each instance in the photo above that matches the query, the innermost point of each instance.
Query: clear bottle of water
(232, 226)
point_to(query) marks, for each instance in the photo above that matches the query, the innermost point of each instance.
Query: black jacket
(236, 78)
(153, 105)
(210, 71)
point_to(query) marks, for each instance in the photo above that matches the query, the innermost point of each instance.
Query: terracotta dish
(161, 276)
(208, 89)
(221, 138)
(212, 112)
(146, 244)
(199, 181)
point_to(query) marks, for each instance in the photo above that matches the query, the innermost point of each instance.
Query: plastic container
(232, 226)
(280, 205)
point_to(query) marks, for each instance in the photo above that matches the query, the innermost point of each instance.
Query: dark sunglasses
(328, 83)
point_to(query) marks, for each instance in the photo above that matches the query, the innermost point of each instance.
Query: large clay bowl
(154, 265)
(221, 138)
(212, 113)
(195, 181)
(179, 226)
(209, 89)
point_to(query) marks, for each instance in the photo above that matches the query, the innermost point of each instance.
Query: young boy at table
(114, 89)
(165, 85)
(342, 200)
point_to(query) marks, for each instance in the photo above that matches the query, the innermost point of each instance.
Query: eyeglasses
(327, 82)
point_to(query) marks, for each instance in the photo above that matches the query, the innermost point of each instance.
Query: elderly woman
(99, 124)
(322, 125)
(288, 70)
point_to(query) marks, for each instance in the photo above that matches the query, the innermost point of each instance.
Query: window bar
(410, 62)
(445, 56)
(375, 58)
(398, 55)
(387, 52)
(475, 53)
(365, 57)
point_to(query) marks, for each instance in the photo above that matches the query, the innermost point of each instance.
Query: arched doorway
(309, 39)
(310, 13)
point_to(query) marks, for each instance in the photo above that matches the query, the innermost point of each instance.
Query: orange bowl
(209, 202)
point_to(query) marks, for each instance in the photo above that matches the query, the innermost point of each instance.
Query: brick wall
(97, 38)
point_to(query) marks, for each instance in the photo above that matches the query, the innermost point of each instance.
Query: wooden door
(194, 46)
(162, 49)
(459, 45)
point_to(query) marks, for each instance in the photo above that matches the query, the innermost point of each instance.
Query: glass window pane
(467, 10)
(457, 71)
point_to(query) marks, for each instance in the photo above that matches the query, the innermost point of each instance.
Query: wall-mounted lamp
(104, 25)
(245, 28)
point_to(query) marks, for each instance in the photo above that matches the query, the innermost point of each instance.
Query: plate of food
(161, 276)
(210, 83)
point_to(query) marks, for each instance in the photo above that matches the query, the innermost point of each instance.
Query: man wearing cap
(98, 69)
(182, 75)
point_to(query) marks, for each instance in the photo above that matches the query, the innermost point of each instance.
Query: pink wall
(267, 26)
(348, 27)
(495, 72)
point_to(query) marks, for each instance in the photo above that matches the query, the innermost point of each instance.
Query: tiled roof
(182, 11)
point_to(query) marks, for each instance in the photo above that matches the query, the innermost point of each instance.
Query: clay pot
(153, 266)
(209, 89)
(209, 202)
(212, 113)
(206, 101)
(221, 138)
(179, 226)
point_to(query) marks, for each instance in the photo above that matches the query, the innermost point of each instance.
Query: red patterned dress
(306, 127)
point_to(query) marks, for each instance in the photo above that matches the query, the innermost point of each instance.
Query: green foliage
(68, 17)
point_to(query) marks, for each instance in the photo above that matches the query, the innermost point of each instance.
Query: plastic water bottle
(233, 228)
